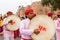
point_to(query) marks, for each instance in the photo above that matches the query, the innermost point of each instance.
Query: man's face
(30, 15)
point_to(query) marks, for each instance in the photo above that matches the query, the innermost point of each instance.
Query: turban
(27, 11)
(9, 12)
(50, 14)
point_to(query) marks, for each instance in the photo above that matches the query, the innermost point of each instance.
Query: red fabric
(18, 33)
(50, 14)
(26, 39)
(15, 34)
(27, 11)
(9, 12)
(1, 29)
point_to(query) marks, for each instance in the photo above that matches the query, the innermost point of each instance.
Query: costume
(58, 29)
(25, 33)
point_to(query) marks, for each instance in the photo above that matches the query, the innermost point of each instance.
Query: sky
(12, 5)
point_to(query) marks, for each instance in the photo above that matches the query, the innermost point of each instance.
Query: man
(24, 31)
(7, 34)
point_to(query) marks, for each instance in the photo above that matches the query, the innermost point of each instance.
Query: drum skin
(16, 25)
(47, 25)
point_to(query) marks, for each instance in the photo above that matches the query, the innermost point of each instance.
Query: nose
(34, 15)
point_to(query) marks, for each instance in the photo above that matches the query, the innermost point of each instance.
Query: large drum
(15, 25)
(46, 26)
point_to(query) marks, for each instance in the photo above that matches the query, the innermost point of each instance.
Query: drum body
(15, 26)
(46, 26)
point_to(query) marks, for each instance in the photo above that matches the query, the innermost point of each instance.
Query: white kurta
(25, 32)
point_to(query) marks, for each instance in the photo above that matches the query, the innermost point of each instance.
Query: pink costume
(57, 22)
(7, 34)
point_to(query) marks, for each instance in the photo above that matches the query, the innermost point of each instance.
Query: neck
(30, 18)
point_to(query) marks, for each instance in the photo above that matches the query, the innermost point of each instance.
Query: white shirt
(25, 32)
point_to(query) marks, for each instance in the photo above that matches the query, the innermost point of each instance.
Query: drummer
(24, 31)
(7, 34)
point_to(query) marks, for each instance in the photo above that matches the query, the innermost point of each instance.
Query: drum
(16, 23)
(46, 26)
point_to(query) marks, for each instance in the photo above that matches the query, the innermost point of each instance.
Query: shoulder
(27, 20)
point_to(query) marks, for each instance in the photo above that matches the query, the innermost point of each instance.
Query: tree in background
(55, 3)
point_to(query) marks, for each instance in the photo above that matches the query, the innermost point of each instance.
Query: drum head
(15, 26)
(46, 26)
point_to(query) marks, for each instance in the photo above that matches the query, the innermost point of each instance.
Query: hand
(36, 31)
(11, 22)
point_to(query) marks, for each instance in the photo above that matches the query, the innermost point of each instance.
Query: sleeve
(4, 22)
(24, 31)
(4, 25)
(58, 27)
